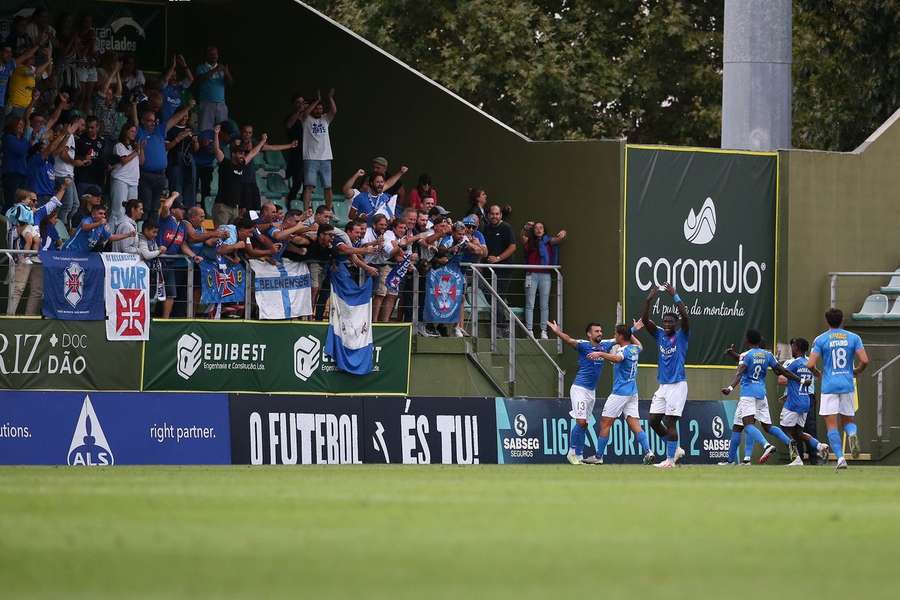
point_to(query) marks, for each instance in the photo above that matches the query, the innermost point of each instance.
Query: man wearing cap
(173, 235)
(152, 135)
(475, 251)
(230, 197)
(380, 166)
(90, 197)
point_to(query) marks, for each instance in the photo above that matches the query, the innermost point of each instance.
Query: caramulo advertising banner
(704, 221)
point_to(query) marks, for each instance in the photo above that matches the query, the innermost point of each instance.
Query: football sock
(754, 434)
(733, 447)
(813, 442)
(834, 440)
(780, 434)
(601, 445)
(643, 441)
(578, 440)
(670, 449)
(850, 428)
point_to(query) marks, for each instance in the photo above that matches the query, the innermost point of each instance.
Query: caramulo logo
(700, 228)
(306, 356)
(190, 354)
(701, 275)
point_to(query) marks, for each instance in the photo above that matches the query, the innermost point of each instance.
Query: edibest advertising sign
(105, 429)
(703, 221)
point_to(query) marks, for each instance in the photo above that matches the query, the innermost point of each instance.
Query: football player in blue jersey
(668, 400)
(624, 396)
(584, 388)
(798, 400)
(753, 405)
(837, 348)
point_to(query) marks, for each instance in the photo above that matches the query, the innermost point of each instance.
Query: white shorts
(834, 404)
(669, 399)
(616, 405)
(790, 418)
(582, 402)
(758, 408)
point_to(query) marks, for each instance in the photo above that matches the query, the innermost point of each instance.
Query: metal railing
(879, 396)
(478, 279)
(833, 282)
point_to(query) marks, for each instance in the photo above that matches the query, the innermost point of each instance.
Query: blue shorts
(313, 170)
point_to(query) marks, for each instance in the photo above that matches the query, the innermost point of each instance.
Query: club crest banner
(73, 286)
(127, 297)
(222, 282)
(444, 295)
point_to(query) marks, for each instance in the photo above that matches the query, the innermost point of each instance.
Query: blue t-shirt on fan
(40, 175)
(87, 241)
(155, 155)
(837, 348)
(589, 370)
(753, 380)
(625, 372)
(672, 353)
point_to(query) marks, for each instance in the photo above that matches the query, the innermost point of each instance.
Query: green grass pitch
(364, 532)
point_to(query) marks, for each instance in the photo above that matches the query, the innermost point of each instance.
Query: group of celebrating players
(837, 348)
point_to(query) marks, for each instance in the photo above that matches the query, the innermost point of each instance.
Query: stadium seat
(276, 186)
(273, 161)
(875, 307)
(208, 225)
(893, 286)
(894, 315)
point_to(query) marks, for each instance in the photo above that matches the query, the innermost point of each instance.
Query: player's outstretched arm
(785, 373)
(863, 359)
(598, 355)
(680, 307)
(735, 380)
(552, 326)
(649, 325)
(730, 352)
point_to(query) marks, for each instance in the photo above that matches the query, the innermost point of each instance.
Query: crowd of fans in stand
(98, 156)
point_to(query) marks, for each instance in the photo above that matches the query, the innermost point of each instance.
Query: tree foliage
(648, 70)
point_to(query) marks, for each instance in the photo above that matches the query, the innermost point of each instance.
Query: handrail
(512, 339)
(833, 277)
(879, 395)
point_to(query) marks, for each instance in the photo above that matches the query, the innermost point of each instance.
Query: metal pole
(415, 297)
(474, 304)
(512, 356)
(879, 414)
(248, 288)
(493, 311)
(834, 291)
(190, 290)
(559, 307)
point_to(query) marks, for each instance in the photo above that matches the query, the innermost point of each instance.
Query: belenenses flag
(349, 340)
(282, 290)
(444, 294)
(127, 297)
(222, 282)
(73, 286)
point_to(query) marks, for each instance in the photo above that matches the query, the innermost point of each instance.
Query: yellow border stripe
(699, 149)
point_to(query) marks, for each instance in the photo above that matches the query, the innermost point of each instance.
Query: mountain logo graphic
(89, 447)
(701, 228)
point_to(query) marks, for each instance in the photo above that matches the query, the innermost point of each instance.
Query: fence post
(833, 301)
(879, 412)
(559, 307)
(512, 355)
(190, 290)
(493, 311)
(415, 298)
(248, 289)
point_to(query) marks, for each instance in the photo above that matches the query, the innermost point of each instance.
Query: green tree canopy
(648, 70)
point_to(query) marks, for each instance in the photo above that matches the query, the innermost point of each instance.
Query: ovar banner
(704, 221)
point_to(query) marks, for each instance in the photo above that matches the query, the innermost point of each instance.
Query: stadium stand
(874, 307)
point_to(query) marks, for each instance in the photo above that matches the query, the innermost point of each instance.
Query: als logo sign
(89, 447)
(701, 228)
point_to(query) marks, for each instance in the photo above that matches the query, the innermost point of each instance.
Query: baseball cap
(469, 220)
(440, 210)
(178, 204)
(380, 160)
(91, 190)
(459, 225)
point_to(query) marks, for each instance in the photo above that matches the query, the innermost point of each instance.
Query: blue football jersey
(798, 396)
(753, 380)
(625, 372)
(837, 347)
(589, 370)
(672, 352)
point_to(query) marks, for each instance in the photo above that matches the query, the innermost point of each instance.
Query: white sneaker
(728, 464)
(767, 453)
(544, 335)
(748, 461)
(573, 458)
(649, 458)
(593, 460)
(423, 331)
(460, 332)
(679, 454)
(26, 260)
(797, 462)
(823, 451)
(666, 464)
(841, 463)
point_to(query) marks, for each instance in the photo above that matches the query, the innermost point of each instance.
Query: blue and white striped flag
(349, 340)
(282, 290)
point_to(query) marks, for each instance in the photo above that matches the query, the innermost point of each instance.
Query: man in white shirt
(64, 168)
(317, 154)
